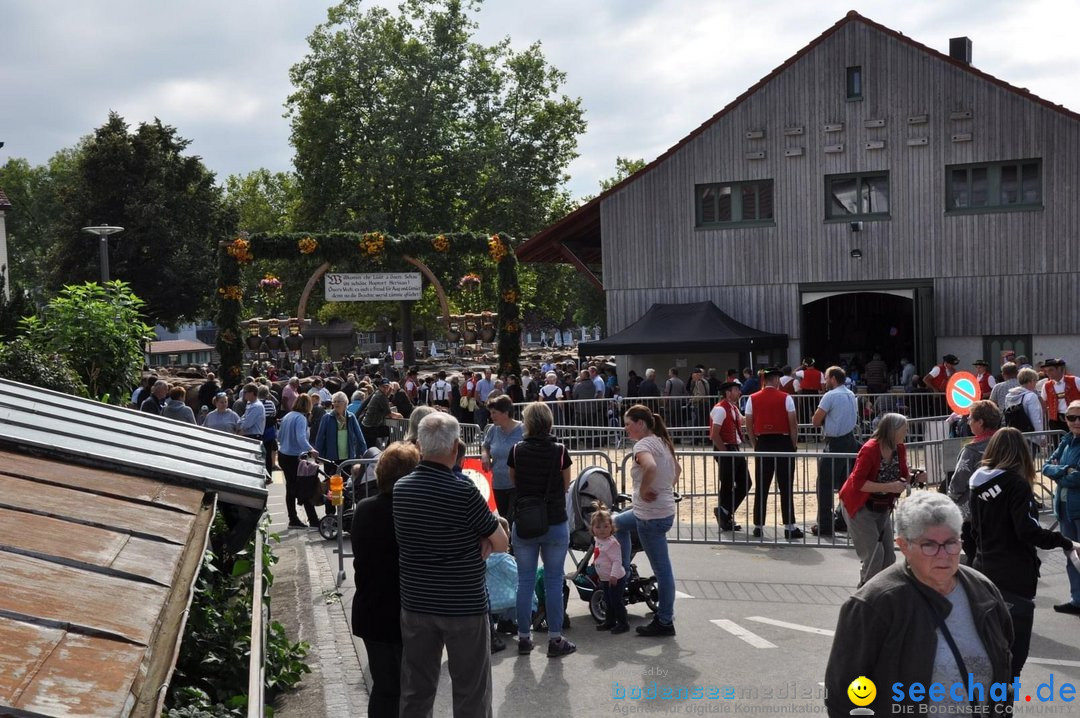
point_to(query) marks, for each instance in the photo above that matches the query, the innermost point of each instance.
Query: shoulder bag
(530, 512)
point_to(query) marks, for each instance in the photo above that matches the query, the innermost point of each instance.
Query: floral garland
(307, 245)
(469, 281)
(231, 292)
(441, 244)
(497, 248)
(240, 250)
(510, 296)
(373, 243)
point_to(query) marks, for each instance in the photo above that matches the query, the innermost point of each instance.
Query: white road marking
(1053, 662)
(680, 594)
(739, 632)
(792, 626)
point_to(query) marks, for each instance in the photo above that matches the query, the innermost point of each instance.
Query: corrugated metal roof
(104, 517)
(178, 345)
(96, 434)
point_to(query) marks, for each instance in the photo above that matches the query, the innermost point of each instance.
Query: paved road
(753, 622)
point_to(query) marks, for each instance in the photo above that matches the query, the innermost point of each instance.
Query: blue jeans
(552, 548)
(653, 536)
(1070, 529)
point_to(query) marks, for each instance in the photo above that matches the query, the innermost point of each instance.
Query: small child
(502, 581)
(607, 558)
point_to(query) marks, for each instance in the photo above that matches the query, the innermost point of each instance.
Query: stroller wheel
(598, 606)
(652, 594)
(328, 527)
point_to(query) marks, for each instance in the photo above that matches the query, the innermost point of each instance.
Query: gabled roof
(168, 346)
(677, 328)
(582, 226)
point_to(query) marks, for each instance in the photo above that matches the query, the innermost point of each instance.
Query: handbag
(307, 480)
(464, 402)
(530, 512)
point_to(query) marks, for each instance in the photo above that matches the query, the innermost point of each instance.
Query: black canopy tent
(676, 328)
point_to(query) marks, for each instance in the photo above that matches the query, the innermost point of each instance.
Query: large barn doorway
(850, 326)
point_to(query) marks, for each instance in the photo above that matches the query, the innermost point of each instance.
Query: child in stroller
(595, 486)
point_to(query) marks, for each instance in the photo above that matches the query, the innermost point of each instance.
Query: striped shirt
(439, 521)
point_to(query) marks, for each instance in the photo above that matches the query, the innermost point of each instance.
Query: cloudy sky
(648, 71)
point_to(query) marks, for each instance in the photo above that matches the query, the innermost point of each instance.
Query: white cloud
(206, 102)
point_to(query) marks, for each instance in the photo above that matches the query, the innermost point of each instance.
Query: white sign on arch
(374, 287)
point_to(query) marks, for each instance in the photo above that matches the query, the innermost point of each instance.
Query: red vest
(770, 413)
(1072, 393)
(729, 428)
(984, 384)
(811, 379)
(788, 388)
(940, 381)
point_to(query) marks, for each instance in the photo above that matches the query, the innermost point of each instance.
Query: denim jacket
(1064, 468)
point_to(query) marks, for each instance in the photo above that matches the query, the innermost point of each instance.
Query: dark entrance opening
(850, 327)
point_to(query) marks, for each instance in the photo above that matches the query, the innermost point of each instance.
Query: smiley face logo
(862, 691)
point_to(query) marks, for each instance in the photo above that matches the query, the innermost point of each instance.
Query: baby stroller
(359, 485)
(596, 484)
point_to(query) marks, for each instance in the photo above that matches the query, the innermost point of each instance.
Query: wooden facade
(989, 273)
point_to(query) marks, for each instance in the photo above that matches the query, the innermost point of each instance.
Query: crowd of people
(423, 546)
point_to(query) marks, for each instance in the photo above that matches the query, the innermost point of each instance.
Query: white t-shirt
(718, 415)
(440, 390)
(663, 480)
(550, 392)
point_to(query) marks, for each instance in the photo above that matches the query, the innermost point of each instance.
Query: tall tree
(402, 123)
(263, 201)
(170, 209)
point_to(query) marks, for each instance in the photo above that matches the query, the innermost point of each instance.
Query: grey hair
(924, 510)
(650, 373)
(339, 396)
(437, 435)
(358, 395)
(1027, 375)
(888, 426)
(537, 419)
(417, 414)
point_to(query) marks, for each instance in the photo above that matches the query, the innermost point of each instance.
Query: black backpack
(1017, 417)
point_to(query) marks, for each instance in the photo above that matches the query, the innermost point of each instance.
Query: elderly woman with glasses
(1005, 526)
(339, 437)
(1064, 469)
(927, 621)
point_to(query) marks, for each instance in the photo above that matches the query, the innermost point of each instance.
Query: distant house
(871, 194)
(180, 352)
(5, 270)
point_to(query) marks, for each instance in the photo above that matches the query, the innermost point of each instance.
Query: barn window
(854, 82)
(862, 196)
(993, 186)
(729, 204)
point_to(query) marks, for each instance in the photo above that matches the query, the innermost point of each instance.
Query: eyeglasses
(931, 548)
(1072, 417)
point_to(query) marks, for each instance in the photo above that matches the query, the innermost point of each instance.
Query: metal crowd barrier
(470, 433)
(260, 623)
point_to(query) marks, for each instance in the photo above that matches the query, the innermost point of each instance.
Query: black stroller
(596, 484)
(359, 485)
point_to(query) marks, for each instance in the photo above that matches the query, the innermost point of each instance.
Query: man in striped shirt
(444, 531)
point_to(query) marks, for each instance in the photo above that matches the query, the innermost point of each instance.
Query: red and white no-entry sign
(962, 391)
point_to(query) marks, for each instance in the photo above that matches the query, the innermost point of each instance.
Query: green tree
(37, 195)
(169, 206)
(263, 201)
(402, 123)
(23, 362)
(99, 330)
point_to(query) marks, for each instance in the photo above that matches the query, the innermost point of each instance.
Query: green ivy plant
(21, 361)
(211, 676)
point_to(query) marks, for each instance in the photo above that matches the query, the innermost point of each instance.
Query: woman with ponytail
(654, 473)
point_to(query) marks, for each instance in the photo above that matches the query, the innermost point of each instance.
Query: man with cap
(725, 432)
(837, 416)
(773, 426)
(1057, 392)
(986, 379)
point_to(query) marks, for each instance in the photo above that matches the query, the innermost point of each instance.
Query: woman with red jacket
(869, 494)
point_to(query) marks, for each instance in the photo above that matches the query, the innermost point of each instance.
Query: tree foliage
(402, 123)
(21, 361)
(263, 201)
(168, 205)
(101, 333)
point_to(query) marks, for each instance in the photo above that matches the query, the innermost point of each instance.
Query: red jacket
(866, 469)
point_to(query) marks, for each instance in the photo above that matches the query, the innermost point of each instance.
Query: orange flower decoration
(231, 292)
(441, 243)
(240, 250)
(307, 245)
(372, 244)
(497, 248)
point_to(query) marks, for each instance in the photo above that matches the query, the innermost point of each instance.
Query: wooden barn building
(870, 194)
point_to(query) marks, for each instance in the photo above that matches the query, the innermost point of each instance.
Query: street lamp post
(103, 232)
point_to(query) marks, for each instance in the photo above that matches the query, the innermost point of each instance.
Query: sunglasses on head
(1072, 417)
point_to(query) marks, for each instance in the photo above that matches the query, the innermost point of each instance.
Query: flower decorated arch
(445, 254)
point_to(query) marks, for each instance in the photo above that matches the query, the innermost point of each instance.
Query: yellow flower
(231, 292)
(441, 243)
(373, 243)
(240, 250)
(307, 245)
(497, 248)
